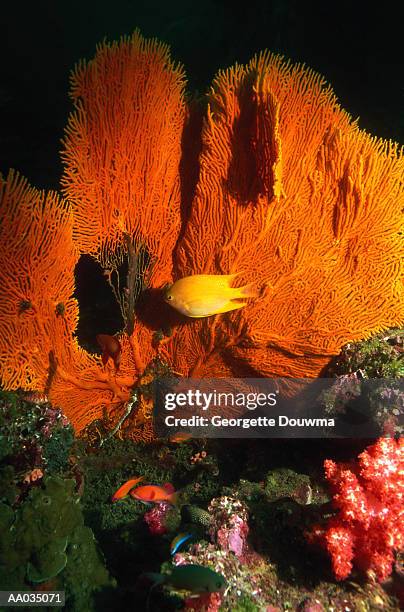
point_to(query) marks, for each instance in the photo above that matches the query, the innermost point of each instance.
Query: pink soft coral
(229, 525)
(156, 518)
(369, 526)
(208, 602)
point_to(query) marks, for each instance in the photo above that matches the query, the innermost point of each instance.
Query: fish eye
(169, 297)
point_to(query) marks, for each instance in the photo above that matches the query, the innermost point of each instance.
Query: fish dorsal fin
(168, 488)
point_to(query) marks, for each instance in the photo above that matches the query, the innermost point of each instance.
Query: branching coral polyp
(286, 189)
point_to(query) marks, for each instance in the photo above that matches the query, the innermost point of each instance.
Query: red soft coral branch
(369, 496)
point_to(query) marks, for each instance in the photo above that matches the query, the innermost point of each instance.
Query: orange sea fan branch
(122, 151)
(88, 391)
(37, 312)
(38, 316)
(309, 207)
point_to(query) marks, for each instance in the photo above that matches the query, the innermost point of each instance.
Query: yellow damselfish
(203, 295)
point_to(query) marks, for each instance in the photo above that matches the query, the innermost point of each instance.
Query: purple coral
(53, 416)
(229, 528)
(156, 518)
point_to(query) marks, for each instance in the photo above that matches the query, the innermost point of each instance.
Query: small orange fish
(111, 347)
(155, 494)
(125, 488)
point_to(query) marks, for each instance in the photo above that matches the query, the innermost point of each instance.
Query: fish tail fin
(248, 291)
(173, 499)
(228, 278)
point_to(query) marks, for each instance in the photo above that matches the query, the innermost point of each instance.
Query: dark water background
(357, 48)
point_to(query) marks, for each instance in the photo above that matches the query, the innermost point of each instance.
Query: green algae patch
(44, 539)
(378, 357)
(48, 562)
(85, 573)
(284, 482)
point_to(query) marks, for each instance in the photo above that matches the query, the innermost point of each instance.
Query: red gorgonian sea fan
(368, 529)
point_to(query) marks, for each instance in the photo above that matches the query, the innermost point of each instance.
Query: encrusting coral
(290, 193)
